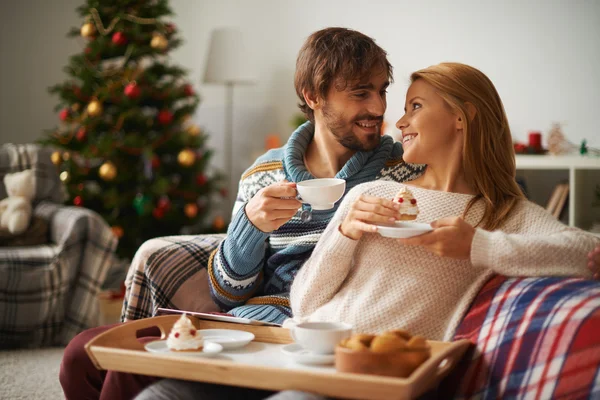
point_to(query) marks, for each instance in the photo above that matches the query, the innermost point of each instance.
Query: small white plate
(403, 229)
(228, 338)
(303, 356)
(160, 347)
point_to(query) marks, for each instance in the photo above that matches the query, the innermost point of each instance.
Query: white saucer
(160, 347)
(303, 356)
(403, 229)
(228, 338)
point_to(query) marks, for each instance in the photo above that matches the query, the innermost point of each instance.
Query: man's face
(354, 115)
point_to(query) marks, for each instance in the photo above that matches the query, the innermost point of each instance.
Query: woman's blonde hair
(488, 153)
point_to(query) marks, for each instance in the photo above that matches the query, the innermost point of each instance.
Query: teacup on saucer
(304, 356)
(320, 337)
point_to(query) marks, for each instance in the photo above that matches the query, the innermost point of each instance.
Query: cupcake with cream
(408, 205)
(184, 336)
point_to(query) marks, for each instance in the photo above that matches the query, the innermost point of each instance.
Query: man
(341, 81)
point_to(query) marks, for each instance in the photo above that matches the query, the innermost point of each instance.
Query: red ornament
(193, 332)
(81, 134)
(119, 38)
(132, 90)
(80, 187)
(201, 179)
(78, 201)
(176, 334)
(87, 50)
(170, 28)
(64, 114)
(158, 213)
(224, 192)
(413, 201)
(164, 203)
(400, 200)
(77, 91)
(155, 161)
(188, 90)
(165, 117)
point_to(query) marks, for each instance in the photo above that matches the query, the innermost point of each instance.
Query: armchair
(48, 292)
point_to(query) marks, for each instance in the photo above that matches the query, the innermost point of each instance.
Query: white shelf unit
(542, 172)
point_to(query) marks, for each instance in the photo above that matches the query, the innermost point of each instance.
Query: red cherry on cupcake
(176, 334)
(193, 332)
(413, 201)
(400, 200)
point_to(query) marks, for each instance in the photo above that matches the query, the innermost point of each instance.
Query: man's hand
(452, 237)
(594, 262)
(365, 211)
(273, 206)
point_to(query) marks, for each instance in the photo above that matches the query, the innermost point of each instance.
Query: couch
(48, 291)
(532, 337)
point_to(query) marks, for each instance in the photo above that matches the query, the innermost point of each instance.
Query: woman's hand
(365, 211)
(594, 262)
(452, 237)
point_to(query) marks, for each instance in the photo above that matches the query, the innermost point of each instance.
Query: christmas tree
(126, 147)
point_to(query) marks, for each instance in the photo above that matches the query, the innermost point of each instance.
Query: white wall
(544, 57)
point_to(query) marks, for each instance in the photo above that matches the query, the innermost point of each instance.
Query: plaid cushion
(535, 338)
(48, 293)
(170, 272)
(19, 157)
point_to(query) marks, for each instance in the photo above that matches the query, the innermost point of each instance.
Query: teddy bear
(15, 209)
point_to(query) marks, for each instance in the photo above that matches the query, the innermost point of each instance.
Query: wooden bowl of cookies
(393, 353)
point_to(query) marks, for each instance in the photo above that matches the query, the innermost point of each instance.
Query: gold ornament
(75, 107)
(56, 158)
(66, 156)
(108, 171)
(186, 158)
(159, 42)
(190, 210)
(94, 108)
(193, 130)
(88, 30)
(65, 176)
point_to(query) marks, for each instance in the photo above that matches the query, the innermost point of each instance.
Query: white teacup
(320, 337)
(321, 193)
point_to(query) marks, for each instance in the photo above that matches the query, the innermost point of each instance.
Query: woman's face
(429, 127)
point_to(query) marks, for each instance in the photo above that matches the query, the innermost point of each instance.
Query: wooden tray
(119, 350)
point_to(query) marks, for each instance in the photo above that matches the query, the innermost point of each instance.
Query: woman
(455, 123)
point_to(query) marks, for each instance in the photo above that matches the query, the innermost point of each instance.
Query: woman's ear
(311, 100)
(471, 112)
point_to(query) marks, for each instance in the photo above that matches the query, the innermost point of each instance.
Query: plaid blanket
(535, 338)
(170, 272)
(48, 293)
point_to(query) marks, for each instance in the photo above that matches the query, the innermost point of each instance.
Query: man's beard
(338, 127)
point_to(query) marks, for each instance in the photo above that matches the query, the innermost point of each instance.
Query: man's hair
(336, 56)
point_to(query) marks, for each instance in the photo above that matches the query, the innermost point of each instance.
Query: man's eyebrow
(363, 86)
(413, 99)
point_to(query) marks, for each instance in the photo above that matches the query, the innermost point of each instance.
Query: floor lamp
(228, 63)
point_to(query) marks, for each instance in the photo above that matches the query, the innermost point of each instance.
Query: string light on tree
(108, 171)
(193, 130)
(81, 134)
(117, 231)
(65, 176)
(78, 201)
(190, 210)
(218, 223)
(186, 158)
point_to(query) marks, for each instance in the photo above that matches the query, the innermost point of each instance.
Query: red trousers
(80, 379)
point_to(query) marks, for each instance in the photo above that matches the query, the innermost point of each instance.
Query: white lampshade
(229, 60)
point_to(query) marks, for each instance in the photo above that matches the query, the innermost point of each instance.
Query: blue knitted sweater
(251, 272)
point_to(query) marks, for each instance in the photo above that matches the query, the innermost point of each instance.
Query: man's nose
(377, 106)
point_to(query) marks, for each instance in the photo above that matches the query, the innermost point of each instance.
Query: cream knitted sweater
(377, 283)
